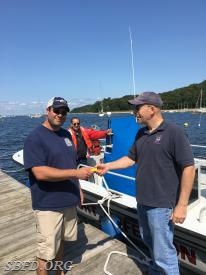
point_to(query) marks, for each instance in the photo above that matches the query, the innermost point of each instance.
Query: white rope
(121, 253)
(117, 227)
(104, 183)
(108, 198)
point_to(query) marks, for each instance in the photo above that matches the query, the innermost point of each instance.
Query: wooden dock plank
(17, 238)
(92, 260)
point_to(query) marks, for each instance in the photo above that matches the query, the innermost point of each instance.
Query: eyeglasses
(59, 111)
(76, 123)
(137, 107)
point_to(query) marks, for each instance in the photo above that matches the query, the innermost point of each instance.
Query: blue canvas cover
(124, 129)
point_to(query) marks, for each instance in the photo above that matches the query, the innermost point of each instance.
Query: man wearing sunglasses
(164, 177)
(50, 159)
(86, 140)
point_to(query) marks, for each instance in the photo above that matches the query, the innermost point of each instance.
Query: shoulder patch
(68, 142)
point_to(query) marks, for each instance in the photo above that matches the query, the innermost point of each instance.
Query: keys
(94, 170)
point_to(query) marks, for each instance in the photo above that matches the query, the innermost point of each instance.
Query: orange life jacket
(94, 147)
(85, 137)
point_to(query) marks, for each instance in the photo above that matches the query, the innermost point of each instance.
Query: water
(14, 130)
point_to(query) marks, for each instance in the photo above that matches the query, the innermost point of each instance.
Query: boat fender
(202, 215)
(109, 228)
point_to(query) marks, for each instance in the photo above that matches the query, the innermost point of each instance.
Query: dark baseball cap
(147, 98)
(58, 102)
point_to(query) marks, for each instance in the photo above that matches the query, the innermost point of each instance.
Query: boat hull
(191, 247)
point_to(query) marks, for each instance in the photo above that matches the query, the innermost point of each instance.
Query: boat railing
(198, 146)
(199, 151)
(101, 181)
(121, 175)
(202, 179)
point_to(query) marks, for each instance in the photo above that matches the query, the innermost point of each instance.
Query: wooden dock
(17, 239)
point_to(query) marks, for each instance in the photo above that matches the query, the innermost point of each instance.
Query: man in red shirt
(86, 140)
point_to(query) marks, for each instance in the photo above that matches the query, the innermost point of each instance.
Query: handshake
(94, 170)
(100, 169)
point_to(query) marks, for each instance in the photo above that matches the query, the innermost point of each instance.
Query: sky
(81, 49)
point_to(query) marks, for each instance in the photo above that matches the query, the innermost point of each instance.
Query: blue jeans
(157, 232)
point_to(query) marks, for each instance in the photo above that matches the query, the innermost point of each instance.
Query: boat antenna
(130, 35)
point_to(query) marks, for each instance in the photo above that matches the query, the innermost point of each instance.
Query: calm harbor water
(14, 130)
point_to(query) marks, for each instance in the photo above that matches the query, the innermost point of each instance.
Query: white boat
(18, 157)
(112, 198)
(101, 112)
(38, 115)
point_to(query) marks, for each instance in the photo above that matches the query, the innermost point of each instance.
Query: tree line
(185, 97)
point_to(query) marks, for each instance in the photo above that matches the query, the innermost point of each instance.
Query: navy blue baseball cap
(58, 102)
(147, 98)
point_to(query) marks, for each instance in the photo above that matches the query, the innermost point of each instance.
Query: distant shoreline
(114, 112)
(203, 110)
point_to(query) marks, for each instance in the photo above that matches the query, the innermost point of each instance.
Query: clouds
(20, 108)
(36, 107)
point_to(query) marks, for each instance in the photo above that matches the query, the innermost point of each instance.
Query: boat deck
(17, 238)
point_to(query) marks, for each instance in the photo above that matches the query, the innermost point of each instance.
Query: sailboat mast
(199, 124)
(130, 35)
(200, 99)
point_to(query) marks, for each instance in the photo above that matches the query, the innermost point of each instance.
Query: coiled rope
(108, 198)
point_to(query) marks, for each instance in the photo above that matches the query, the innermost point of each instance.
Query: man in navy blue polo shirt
(50, 159)
(165, 178)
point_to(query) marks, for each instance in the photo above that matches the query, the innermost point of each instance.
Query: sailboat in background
(101, 113)
(199, 109)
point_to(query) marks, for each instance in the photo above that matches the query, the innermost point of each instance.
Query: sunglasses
(59, 111)
(137, 107)
(75, 124)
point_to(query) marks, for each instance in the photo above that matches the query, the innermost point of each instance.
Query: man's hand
(102, 168)
(84, 173)
(179, 213)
